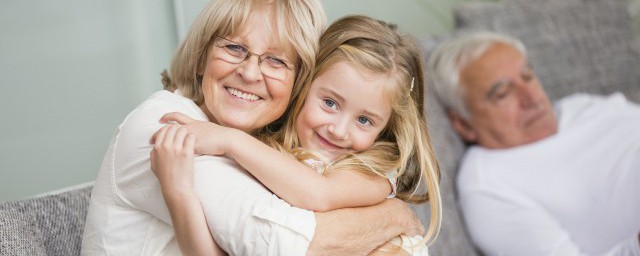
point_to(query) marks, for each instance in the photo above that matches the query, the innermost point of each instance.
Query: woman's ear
(462, 127)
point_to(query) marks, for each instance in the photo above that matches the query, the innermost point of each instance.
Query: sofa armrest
(46, 224)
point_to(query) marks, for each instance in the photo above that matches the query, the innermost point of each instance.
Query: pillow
(19, 234)
(573, 45)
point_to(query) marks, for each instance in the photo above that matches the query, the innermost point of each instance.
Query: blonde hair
(403, 145)
(299, 23)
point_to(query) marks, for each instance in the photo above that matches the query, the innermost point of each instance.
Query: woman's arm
(359, 231)
(172, 163)
(291, 180)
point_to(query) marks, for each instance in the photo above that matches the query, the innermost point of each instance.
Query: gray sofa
(574, 45)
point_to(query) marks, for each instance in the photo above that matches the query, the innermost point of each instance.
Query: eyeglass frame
(261, 57)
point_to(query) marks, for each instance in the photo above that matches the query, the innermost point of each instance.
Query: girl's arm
(300, 185)
(172, 163)
(291, 180)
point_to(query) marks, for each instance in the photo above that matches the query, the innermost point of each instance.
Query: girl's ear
(462, 127)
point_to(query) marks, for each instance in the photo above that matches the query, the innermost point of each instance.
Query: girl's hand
(211, 138)
(172, 158)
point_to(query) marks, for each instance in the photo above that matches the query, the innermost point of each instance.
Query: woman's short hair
(450, 57)
(299, 23)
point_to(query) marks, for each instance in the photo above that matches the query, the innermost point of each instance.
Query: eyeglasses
(270, 65)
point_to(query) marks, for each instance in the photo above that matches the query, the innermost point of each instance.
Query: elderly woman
(215, 77)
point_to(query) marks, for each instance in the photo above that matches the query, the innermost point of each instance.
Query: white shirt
(127, 214)
(574, 193)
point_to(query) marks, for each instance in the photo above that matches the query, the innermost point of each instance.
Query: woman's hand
(406, 217)
(211, 138)
(172, 158)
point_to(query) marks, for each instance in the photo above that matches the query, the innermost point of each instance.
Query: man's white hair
(451, 56)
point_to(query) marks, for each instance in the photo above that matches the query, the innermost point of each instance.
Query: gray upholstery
(574, 46)
(44, 225)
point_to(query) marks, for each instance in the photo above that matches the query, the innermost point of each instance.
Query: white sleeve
(244, 217)
(503, 224)
(135, 183)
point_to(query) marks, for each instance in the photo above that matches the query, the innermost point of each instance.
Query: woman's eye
(331, 104)
(276, 62)
(235, 48)
(365, 121)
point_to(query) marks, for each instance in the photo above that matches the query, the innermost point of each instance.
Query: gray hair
(451, 56)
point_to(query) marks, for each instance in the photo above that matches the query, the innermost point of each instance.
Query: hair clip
(413, 79)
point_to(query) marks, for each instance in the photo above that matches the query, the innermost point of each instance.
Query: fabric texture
(44, 225)
(574, 46)
(19, 234)
(564, 195)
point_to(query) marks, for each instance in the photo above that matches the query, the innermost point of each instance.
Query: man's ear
(462, 127)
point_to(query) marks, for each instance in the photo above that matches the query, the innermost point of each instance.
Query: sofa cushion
(19, 234)
(51, 224)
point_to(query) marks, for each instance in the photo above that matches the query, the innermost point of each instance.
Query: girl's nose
(338, 130)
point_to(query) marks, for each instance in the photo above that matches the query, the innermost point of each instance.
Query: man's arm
(358, 231)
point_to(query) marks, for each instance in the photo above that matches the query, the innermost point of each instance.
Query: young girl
(358, 123)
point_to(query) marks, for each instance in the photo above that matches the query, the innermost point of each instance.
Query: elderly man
(538, 180)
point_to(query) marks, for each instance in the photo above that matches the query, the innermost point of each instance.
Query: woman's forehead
(271, 43)
(260, 29)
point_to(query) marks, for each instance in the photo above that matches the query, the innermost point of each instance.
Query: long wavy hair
(403, 148)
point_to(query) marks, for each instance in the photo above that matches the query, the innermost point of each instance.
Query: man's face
(507, 104)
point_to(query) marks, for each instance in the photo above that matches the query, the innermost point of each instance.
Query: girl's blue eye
(330, 103)
(365, 121)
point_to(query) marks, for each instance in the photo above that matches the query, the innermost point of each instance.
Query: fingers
(190, 142)
(154, 161)
(174, 138)
(410, 221)
(177, 117)
(179, 137)
(158, 137)
(169, 136)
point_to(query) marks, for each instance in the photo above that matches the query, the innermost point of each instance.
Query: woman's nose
(250, 70)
